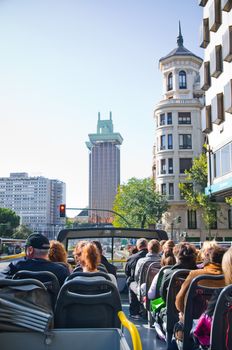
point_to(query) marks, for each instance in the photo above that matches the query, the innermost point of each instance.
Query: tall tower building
(104, 167)
(178, 133)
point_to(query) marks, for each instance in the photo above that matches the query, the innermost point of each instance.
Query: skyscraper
(104, 167)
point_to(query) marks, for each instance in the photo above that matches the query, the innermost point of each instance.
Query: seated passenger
(185, 254)
(167, 259)
(57, 253)
(77, 251)
(203, 327)
(36, 249)
(109, 267)
(204, 252)
(90, 258)
(213, 267)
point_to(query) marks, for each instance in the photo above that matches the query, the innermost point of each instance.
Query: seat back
(88, 303)
(221, 331)
(151, 273)
(88, 274)
(100, 267)
(142, 276)
(48, 278)
(197, 299)
(160, 279)
(172, 313)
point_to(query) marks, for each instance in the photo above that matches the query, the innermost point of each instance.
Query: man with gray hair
(36, 250)
(134, 307)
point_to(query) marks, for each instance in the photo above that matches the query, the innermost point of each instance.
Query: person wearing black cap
(36, 249)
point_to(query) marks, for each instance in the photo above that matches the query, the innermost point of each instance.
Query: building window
(162, 142)
(170, 143)
(205, 77)
(228, 97)
(185, 141)
(227, 45)
(217, 111)
(163, 189)
(163, 166)
(162, 119)
(171, 191)
(225, 159)
(206, 119)
(216, 61)
(226, 5)
(202, 2)
(184, 118)
(215, 18)
(170, 81)
(185, 164)
(230, 218)
(169, 118)
(189, 186)
(170, 165)
(192, 219)
(204, 34)
(182, 80)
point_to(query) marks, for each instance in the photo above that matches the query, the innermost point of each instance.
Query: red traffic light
(62, 210)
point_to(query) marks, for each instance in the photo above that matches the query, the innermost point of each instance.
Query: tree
(193, 191)
(9, 220)
(139, 203)
(22, 232)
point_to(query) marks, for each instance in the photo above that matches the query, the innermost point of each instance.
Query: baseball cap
(38, 241)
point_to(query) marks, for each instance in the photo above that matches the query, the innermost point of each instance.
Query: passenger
(204, 252)
(162, 244)
(134, 307)
(185, 254)
(203, 327)
(36, 249)
(169, 244)
(109, 267)
(77, 251)
(213, 267)
(167, 259)
(90, 258)
(57, 253)
(152, 255)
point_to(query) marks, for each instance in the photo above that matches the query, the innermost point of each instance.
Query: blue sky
(63, 61)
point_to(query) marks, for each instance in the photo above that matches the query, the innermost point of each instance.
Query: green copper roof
(105, 133)
(180, 50)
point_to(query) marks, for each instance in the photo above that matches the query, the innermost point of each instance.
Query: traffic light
(179, 219)
(62, 210)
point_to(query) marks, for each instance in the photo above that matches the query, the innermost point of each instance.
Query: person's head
(216, 254)
(153, 246)
(227, 266)
(168, 258)
(206, 248)
(162, 242)
(78, 249)
(90, 257)
(99, 246)
(57, 252)
(169, 244)
(141, 244)
(185, 253)
(37, 246)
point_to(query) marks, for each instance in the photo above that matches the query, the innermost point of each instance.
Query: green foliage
(228, 200)
(8, 222)
(22, 232)
(193, 192)
(139, 203)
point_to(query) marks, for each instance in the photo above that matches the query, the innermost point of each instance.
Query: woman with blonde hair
(57, 253)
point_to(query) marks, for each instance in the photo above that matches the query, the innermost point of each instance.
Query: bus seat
(196, 303)
(88, 303)
(100, 267)
(221, 331)
(88, 274)
(151, 273)
(46, 277)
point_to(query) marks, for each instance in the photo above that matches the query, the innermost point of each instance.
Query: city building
(216, 80)
(104, 168)
(35, 199)
(178, 135)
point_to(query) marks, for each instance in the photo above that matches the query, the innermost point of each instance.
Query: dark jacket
(59, 270)
(131, 264)
(109, 267)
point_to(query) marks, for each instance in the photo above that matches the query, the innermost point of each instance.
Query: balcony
(178, 101)
(217, 111)
(226, 5)
(228, 97)
(227, 45)
(215, 19)
(204, 33)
